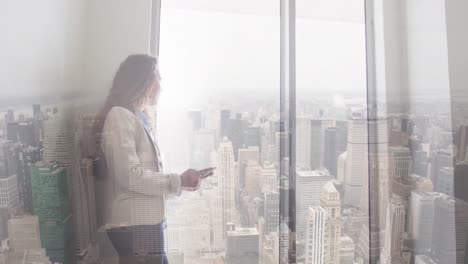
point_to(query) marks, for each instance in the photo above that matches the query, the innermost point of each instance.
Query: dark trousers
(142, 244)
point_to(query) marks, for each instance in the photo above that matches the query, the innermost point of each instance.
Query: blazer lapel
(155, 148)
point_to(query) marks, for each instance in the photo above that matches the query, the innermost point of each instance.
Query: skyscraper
(308, 190)
(445, 181)
(196, 118)
(60, 146)
(423, 259)
(315, 235)
(450, 229)
(226, 183)
(269, 178)
(330, 150)
(439, 159)
(271, 211)
(242, 246)
(225, 117)
(341, 135)
(303, 145)
(86, 170)
(317, 132)
(400, 162)
(376, 193)
(253, 136)
(25, 241)
(395, 228)
(51, 204)
(341, 167)
(9, 192)
(347, 248)
(10, 116)
(357, 157)
(331, 203)
(421, 220)
(253, 179)
(26, 157)
(7, 155)
(251, 153)
(236, 134)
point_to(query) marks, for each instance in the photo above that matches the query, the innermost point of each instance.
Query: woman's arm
(119, 146)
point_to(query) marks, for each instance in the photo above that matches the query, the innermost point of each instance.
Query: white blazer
(135, 189)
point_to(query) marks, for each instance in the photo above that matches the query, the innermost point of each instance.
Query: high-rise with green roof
(51, 203)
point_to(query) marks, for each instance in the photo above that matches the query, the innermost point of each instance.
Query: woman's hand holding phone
(191, 179)
(205, 173)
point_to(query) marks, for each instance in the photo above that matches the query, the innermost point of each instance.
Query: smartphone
(206, 172)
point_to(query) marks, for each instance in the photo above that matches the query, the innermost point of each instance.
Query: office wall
(41, 49)
(113, 30)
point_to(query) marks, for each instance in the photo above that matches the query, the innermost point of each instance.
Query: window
(225, 117)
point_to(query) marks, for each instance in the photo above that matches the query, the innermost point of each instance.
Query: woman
(136, 186)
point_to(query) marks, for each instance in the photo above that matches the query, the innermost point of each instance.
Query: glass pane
(421, 92)
(220, 78)
(332, 133)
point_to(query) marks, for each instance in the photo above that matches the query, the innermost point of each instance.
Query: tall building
(330, 151)
(236, 134)
(347, 248)
(308, 190)
(317, 132)
(395, 229)
(341, 135)
(303, 141)
(242, 246)
(196, 119)
(357, 157)
(9, 197)
(460, 180)
(450, 230)
(37, 111)
(4, 216)
(439, 159)
(420, 162)
(251, 153)
(445, 181)
(253, 136)
(224, 123)
(10, 116)
(25, 158)
(269, 178)
(7, 155)
(253, 179)
(60, 145)
(23, 132)
(421, 220)
(271, 211)
(9, 194)
(202, 143)
(315, 235)
(378, 184)
(226, 183)
(341, 167)
(87, 173)
(51, 204)
(214, 201)
(400, 162)
(25, 241)
(369, 246)
(423, 259)
(330, 201)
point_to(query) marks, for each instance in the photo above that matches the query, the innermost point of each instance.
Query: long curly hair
(131, 85)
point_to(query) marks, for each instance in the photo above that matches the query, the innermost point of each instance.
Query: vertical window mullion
(287, 159)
